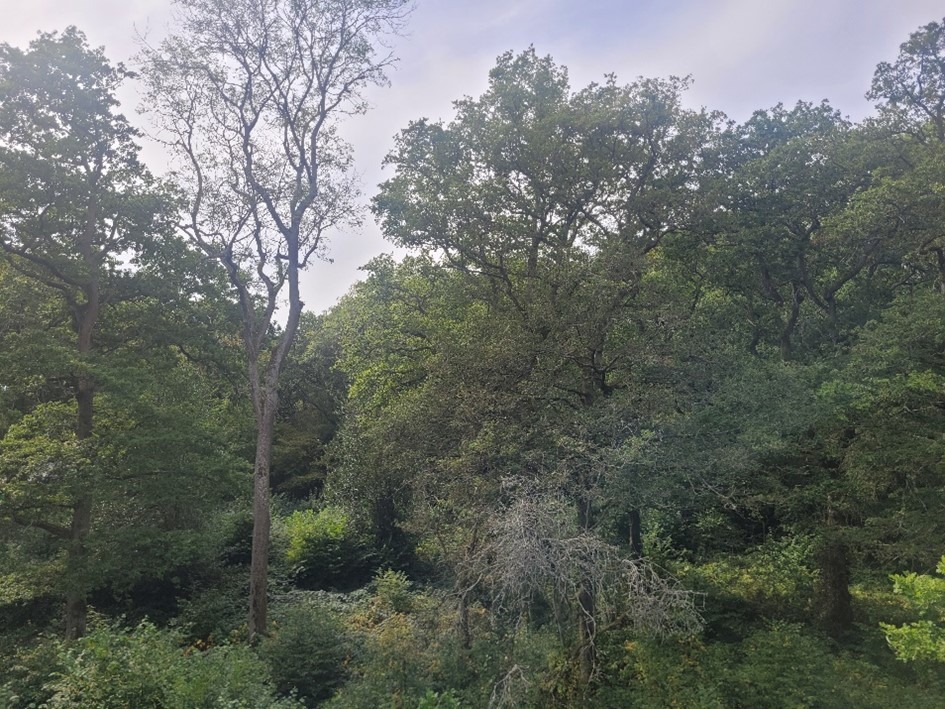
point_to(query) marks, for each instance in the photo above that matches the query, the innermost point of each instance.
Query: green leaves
(325, 550)
(922, 639)
(147, 667)
(912, 89)
(75, 195)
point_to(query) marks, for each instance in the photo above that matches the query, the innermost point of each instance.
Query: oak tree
(76, 202)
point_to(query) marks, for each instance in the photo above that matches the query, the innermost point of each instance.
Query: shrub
(306, 652)
(783, 665)
(776, 580)
(27, 671)
(146, 667)
(642, 673)
(392, 591)
(326, 551)
(401, 636)
(216, 611)
(922, 639)
(438, 700)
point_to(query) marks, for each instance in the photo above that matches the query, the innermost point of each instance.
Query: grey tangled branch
(534, 551)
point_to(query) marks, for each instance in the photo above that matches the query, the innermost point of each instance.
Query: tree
(910, 95)
(75, 202)
(250, 94)
(553, 206)
(911, 90)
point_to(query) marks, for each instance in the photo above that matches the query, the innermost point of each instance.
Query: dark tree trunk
(630, 528)
(797, 297)
(465, 632)
(265, 408)
(636, 533)
(76, 611)
(86, 317)
(834, 602)
(587, 630)
(384, 513)
(466, 586)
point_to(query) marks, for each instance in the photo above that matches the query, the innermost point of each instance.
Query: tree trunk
(262, 523)
(630, 527)
(797, 297)
(76, 610)
(265, 408)
(587, 630)
(587, 605)
(636, 533)
(465, 633)
(833, 591)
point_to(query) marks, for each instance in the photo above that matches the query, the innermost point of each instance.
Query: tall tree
(911, 90)
(75, 201)
(250, 94)
(553, 204)
(910, 95)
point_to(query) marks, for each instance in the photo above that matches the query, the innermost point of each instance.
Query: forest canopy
(650, 413)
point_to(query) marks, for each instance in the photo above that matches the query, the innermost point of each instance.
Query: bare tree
(534, 549)
(249, 94)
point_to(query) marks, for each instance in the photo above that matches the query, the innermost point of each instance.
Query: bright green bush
(439, 700)
(144, 667)
(923, 639)
(405, 648)
(324, 550)
(776, 580)
(679, 674)
(411, 654)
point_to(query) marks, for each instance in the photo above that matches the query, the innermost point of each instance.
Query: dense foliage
(651, 413)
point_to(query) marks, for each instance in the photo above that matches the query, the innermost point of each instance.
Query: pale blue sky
(742, 54)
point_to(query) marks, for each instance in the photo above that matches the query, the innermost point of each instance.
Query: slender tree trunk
(797, 297)
(465, 632)
(636, 533)
(630, 527)
(76, 612)
(262, 523)
(587, 630)
(587, 604)
(86, 316)
(266, 406)
(384, 513)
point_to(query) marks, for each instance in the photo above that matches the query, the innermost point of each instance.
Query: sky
(742, 55)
